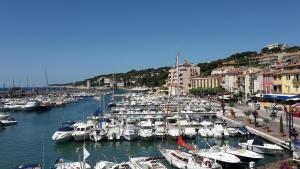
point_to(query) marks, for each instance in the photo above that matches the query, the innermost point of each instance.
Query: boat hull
(81, 137)
(130, 137)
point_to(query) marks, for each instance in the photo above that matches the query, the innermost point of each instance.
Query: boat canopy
(65, 129)
(243, 130)
(258, 141)
(97, 112)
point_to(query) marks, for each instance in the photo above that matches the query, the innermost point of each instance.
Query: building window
(296, 88)
(289, 89)
(288, 77)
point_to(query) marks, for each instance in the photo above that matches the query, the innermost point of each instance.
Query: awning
(277, 96)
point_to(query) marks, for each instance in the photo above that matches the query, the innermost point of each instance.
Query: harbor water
(30, 140)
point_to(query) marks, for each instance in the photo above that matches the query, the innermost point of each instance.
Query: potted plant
(266, 121)
(248, 113)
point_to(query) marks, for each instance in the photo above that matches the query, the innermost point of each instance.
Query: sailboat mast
(177, 88)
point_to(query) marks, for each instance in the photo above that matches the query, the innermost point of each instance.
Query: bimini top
(243, 130)
(258, 141)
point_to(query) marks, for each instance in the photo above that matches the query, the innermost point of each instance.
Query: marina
(140, 141)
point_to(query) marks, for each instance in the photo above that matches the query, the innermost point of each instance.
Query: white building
(88, 84)
(186, 72)
(276, 45)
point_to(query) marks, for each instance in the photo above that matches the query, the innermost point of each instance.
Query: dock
(202, 114)
(266, 136)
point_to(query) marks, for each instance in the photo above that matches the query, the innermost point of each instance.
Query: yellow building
(287, 82)
(206, 82)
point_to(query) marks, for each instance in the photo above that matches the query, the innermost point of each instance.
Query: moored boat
(257, 145)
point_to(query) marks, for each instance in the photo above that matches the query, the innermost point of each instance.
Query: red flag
(183, 144)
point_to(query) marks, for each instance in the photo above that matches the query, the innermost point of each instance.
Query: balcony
(296, 81)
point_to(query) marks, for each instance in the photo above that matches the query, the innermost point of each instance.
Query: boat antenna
(46, 80)
(43, 153)
(177, 89)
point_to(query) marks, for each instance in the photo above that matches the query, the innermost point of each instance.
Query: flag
(86, 154)
(183, 144)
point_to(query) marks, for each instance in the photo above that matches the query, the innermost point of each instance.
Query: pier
(252, 130)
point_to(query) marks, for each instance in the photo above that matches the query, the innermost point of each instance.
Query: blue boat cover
(297, 143)
(97, 112)
(258, 141)
(243, 130)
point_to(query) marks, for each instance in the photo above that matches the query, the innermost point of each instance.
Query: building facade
(206, 82)
(187, 71)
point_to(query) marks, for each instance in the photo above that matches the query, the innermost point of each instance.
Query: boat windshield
(65, 129)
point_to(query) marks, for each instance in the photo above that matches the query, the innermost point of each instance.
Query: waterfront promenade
(273, 133)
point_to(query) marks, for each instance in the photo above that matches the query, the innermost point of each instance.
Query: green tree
(264, 50)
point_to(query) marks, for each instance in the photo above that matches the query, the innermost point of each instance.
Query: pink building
(267, 81)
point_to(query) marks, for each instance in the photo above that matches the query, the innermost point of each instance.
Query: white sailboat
(64, 164)
(183, 160)
(111, 165)
(175, 131)
(147, 162)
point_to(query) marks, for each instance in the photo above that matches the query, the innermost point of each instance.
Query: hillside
(157, 77)
(147, 77)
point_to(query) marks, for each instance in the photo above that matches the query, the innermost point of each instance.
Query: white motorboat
(130, 132)
(232, 131)
(6, 120)
(98, 134)
(215, 153)
(206, 123)
(3, 116)
(64, 133)
(243, 154)
(147, 162)
(30, 166)
(146, 131)
(159, 132)
(218, 131)
(174, 132)
(29, 106)
(110, 165)
(64, 164)
(114, 133)
(189, 132)
(82, 132)
(183, 160)
(205, 132)
(257, 145)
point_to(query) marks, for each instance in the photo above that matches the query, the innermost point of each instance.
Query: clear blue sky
(76, 39)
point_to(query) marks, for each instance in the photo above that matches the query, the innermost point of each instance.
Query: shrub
(231, 104)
